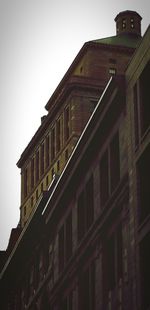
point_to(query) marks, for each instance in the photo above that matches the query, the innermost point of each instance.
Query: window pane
(81, 216)
(42, 159)
(143, 168)
(136, 127)
(32, 173)
(47, 151)
(61, 249)
(69, 236)
(37, 166)
(53, 144)
(89, 202)
(145, 97)
(104, 178)
(114, 161)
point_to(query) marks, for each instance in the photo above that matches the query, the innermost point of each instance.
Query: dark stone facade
(85, 246)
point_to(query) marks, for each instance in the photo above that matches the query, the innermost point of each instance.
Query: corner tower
(128, 22)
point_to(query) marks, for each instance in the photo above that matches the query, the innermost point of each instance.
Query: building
(70, 107)
(85, 220)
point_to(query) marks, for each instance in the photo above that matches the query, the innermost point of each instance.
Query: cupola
(128, 22)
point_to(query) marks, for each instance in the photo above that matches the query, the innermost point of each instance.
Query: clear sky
(38, 41)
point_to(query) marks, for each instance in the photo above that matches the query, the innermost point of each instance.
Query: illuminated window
(112, 71)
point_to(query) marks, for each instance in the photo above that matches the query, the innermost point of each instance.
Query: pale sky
(38, 41)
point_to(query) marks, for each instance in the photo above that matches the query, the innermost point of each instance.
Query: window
(93, 103)
(136, 128)
(85, 208)
(123, 23)
(68, 238)
(89, 202)
(117, 27)
(143, 172)
(109, 169)
(27, 289)
(81, 216)
(47, 151)
(42, 159)
(145, 271)
(25, 182)
(112, 262)
(65, 242)
(67, 123)
(114, 161)
(25, 210)
(141, 95)
(53, 172)
(37, 166)
(58, 166)
(132, 23)
(87, 288)
(104, 178)
(58, 138)
(112, 71)
(50, 256)
(32, 201)
(66, 155)
(41, 265)
(53, 144)
(32, 173)
(67, 302)
(112, 61)
(47, 180)
(144, 98)
(61, 252)
(37, 194)
(31, 281)
(45, 301)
